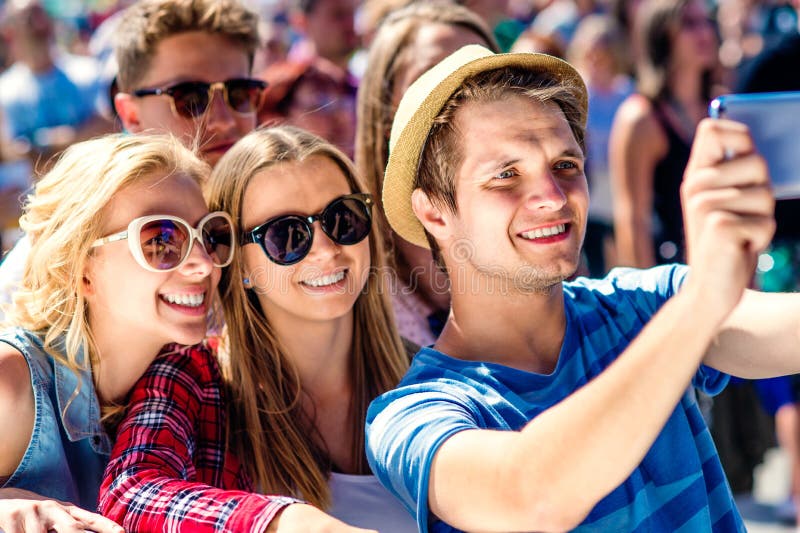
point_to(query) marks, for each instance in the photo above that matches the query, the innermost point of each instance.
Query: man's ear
(128, 111)
(432, 218)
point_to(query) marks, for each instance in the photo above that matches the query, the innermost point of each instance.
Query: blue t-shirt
(680, 484)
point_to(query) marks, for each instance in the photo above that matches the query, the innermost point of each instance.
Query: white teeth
(188, 300)
(545, 232)
(325, 280)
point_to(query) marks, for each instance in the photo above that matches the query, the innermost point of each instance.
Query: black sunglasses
(287, 239)
(190, 99)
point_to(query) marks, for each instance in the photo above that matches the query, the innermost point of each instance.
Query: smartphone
(774, 122)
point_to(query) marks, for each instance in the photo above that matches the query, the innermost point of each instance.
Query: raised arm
(636, 145)
(550, 475)
(761, 337)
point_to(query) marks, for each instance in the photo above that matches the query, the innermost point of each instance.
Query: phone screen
(774, 122)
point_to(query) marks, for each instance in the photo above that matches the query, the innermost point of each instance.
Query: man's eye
(563, 165)
(505, 174)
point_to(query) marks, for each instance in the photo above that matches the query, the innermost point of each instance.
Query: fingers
(43, 516)
(743, 233)
(54, 516)
(95, 522)
(716, 139)
(718, 192)
(742, 171)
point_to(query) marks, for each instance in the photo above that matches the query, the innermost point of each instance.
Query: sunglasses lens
(164, 243)
(218, 239)
(287, 240)
(191, 99)
(347, 220)
(243, 95)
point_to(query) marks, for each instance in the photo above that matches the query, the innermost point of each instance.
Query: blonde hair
(64, 215)
(148, 22)
(387, 54)
(267, 426)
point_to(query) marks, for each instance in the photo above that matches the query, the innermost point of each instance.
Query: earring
(246, 281)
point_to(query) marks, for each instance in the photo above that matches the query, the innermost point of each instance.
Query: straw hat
(423, 101)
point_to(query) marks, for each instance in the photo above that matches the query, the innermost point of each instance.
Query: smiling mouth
(185, 300)
(543, 233)
(325, 281)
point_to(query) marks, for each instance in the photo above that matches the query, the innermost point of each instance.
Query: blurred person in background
(654, 128)
(596, 52)
(560, 19)
(371, 15)
(15, 176)
(409, 42)
(327, 30)
(314, 89)
(624, 14)
(49, 97)
(310, 96)
(531, 41)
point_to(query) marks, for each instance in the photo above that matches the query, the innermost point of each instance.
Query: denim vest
(68, 450)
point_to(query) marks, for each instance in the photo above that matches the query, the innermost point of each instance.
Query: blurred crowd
(669, 57)
(651, 68)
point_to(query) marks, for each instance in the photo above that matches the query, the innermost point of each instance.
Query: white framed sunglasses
(162, 243)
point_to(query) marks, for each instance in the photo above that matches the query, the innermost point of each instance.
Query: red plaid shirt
(169, 470)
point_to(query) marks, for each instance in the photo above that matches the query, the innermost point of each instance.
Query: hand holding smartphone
(774, 122)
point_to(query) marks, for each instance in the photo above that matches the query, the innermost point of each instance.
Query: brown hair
(387, 55)
(442, 152)
(656, 25)
(267, 426)
(148, 22)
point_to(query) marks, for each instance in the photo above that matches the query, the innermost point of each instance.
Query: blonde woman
(125, 259)
(310, 342)
(409, 42)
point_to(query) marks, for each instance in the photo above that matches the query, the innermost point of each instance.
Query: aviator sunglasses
(161, 243)
(190, 99)
(287, 239)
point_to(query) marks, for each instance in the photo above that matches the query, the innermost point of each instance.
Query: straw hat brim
(423, 101)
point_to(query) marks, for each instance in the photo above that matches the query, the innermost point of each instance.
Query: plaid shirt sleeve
(169, 470)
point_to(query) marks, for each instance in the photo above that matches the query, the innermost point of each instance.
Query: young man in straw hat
(550, 405)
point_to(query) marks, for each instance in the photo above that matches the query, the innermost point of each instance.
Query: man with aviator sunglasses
(188, 75)
(184, 68)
